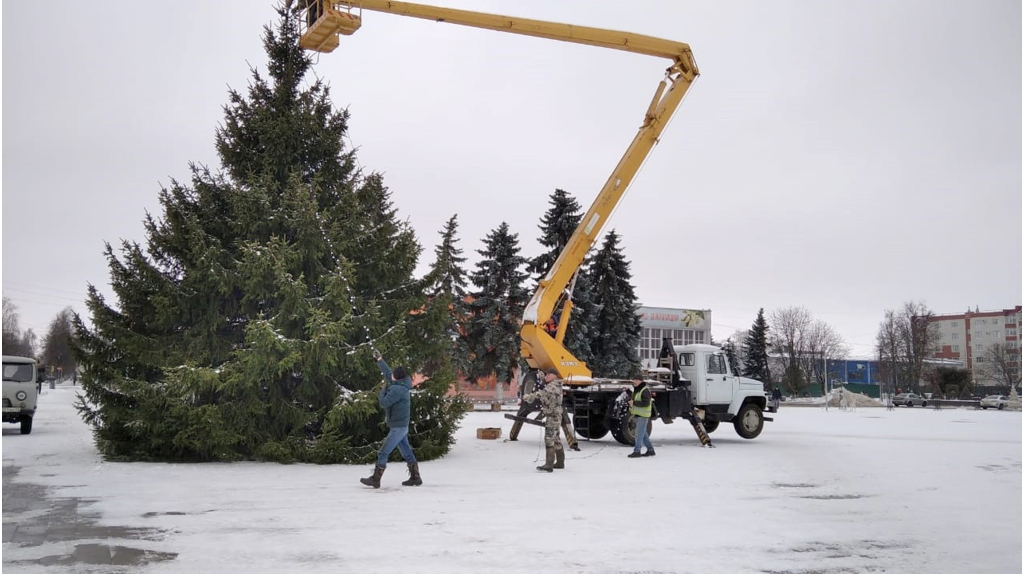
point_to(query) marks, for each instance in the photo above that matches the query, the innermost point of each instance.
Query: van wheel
(749, 421)
(710, 426)
(26, 425)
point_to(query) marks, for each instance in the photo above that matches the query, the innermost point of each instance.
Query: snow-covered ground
(866, 490)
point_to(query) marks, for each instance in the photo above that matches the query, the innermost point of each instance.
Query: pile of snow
(840, 398)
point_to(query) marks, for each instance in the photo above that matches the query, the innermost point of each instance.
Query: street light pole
(824, 369)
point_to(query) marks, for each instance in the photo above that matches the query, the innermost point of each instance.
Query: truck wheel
(749, 421)
(594, 430)
(26, 425)
(617, 435)
(710, 426)
(627, 430)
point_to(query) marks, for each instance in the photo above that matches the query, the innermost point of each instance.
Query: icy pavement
(836, 492)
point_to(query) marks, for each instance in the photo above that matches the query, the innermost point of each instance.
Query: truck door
(719, 383)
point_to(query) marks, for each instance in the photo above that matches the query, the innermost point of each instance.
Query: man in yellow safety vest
(640, 406)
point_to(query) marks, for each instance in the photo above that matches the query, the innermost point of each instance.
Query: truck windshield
(19, 372)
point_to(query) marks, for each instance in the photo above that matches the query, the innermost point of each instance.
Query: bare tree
(56, 350)
(12, 333)
(786, 340)
(923, 336)
(903, 343)
(888, 348)
(738, 337)
(1000, 363)
(822, 343)
(14, 341)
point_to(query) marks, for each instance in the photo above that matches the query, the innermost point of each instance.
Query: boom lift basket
(322, 34)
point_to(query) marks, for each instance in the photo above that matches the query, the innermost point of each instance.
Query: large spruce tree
(618, 337)
(755, 351)
(446, 291)
(446, 275)
(243, 329)
(556, 227)
(496, 310)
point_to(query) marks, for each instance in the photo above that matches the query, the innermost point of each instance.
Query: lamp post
(824, 370)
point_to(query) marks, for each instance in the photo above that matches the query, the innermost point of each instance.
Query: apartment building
(966, 336)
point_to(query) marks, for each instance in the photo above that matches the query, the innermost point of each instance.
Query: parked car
(910, 400)
(994, 401)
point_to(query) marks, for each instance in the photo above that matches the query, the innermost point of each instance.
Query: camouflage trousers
(551, 428)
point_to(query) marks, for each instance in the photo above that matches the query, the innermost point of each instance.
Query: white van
(20, 391)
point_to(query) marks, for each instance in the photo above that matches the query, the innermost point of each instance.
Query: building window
(956, 348)
(956, 336)
(1011, 332)
(693, 337)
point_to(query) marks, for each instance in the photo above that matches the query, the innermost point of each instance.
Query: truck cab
(20, 391)
(716, 393)
(711, 378)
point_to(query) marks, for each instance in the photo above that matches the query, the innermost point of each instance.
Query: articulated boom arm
(540, 349)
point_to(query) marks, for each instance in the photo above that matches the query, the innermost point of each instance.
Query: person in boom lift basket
(394, 399)
(550, 395)
(314, 8)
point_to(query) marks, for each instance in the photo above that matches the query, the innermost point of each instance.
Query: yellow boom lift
(326, 20)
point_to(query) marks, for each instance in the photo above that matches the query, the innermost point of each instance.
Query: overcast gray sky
(842, 156)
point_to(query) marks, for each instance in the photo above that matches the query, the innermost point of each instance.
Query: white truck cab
(711, 378)
(20, 391)
(716, 393)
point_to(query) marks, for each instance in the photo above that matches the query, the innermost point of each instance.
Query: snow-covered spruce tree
(755, 349)
(556, 227)
(446, 292)
(618, 336)
(241, 331)
(492, 331)
(446, 275)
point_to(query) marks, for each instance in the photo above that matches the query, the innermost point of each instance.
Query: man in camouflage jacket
(550, 396)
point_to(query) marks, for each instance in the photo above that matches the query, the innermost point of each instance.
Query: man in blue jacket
(394, 399)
